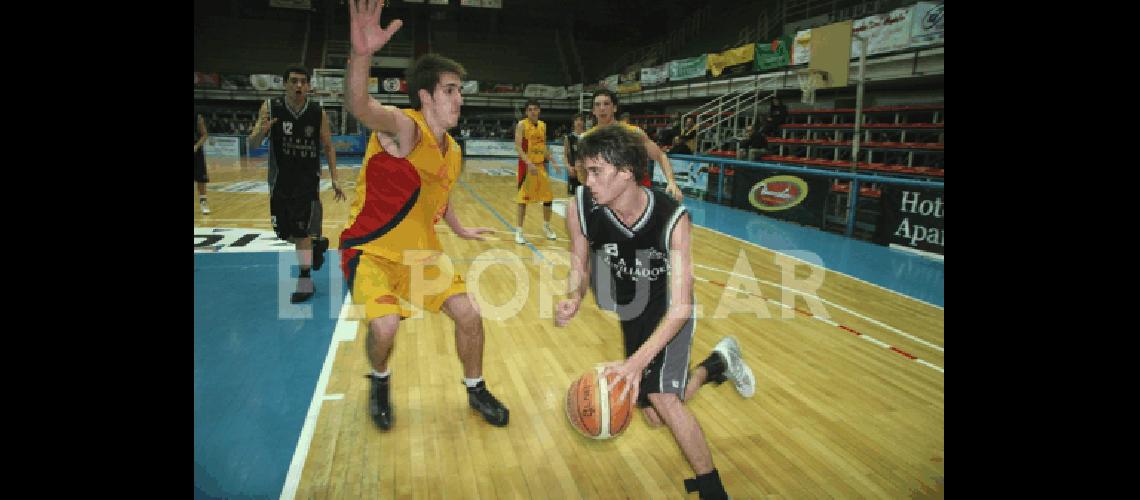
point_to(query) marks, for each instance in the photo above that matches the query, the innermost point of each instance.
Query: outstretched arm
(655, 153)
(367, 37)
(467, 233)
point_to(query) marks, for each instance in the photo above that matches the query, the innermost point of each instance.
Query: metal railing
(719, 119)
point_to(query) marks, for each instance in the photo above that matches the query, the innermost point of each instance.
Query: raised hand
(263, 121)
(364, 26)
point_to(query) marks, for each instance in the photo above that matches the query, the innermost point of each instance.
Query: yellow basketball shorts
(533, 187)
(378, 284)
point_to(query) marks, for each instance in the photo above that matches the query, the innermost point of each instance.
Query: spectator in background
(777, 116)
(680, 147)
(754, 143)
(625, 118)
(666, 135)
(689, 134)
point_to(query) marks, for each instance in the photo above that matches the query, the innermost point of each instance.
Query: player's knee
(665, 403)
(464, 310)
(384, 328)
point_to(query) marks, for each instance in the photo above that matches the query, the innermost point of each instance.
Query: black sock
(707, 486)
(716, 366)
(304, 272)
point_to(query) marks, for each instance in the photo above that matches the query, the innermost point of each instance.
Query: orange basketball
(593, 410)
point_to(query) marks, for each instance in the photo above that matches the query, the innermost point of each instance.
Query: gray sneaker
(737, 370)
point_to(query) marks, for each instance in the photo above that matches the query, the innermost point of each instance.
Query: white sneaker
(205, 207)
(737, 371)
(549, 233)
(518, 237)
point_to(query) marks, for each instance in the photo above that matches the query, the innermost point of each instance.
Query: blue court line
(501, 219)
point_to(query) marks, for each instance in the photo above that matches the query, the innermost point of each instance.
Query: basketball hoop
(810, 80)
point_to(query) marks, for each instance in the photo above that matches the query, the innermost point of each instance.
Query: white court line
(293, 478)
(837, 306)
(821, 267)
(864, 336)
(929, 255)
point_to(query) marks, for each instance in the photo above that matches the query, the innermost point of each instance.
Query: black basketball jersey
(572, 153)
(294, 148)
(630, 266)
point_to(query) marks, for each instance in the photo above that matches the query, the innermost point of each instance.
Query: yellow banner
(629, 87)
(731, 57)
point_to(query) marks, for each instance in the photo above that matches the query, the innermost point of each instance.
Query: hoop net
(810, 80)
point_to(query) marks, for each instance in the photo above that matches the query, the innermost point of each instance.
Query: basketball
(593, 410)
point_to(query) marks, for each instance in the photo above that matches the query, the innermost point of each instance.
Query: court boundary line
(846, 328)
(841, 273)
(301, 452)
(922, 341)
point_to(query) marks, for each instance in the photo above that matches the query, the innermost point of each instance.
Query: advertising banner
(655, 75)
(774, 55)
(731, 57)
(350, 144)
(801, 47)
(796, 197)
(894, 33)
(223, 146)
(928, 24)
(683, 69)
(913, 217)
(691, 176)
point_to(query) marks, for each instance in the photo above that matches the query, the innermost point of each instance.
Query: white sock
(472, 382)
(381, 375)
(202, 197)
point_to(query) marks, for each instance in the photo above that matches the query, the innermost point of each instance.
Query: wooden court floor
(850, 383)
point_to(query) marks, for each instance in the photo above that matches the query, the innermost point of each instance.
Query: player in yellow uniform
(533, 180)
(605, 106)
(389, 249)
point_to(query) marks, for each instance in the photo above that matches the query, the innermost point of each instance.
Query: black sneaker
(299, 297)
(482, 401)
(319, 246)
(379, 405)
(715, 364)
